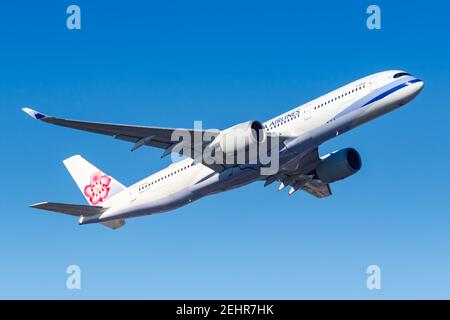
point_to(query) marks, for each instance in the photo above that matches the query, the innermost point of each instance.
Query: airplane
(300, 132)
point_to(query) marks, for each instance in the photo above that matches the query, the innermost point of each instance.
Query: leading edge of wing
(88, 125)
(159, 137)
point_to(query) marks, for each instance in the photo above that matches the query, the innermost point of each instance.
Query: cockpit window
(401, 74)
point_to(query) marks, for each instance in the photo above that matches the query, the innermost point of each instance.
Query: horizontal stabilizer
(70, 209)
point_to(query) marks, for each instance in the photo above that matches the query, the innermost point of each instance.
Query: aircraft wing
(139, 135)
(302, 177)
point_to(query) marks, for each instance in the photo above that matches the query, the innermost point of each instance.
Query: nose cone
(412, 89)
(417, 85)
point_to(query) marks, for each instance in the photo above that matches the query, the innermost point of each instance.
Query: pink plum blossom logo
(99, 188)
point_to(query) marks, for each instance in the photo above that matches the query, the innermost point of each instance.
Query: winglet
(34, 114)
(38, 205)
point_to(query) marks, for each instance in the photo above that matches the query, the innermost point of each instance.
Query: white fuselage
(315, 122)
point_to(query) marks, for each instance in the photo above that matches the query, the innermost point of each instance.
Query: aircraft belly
(156, 205)
(226, 180)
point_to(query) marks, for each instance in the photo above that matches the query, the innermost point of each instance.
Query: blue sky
(170, 63)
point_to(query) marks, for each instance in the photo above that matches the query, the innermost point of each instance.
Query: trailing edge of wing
(302, 177)
(70, 209)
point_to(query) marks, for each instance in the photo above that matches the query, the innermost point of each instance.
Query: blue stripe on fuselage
(377, 95)
(392, 90)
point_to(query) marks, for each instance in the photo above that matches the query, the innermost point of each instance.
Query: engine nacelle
(240, 139)
(338, 165)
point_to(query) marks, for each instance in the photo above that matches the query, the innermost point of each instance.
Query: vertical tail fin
(95, 185)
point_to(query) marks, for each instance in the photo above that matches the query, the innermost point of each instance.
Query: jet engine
(338, 165)
(240, 140)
